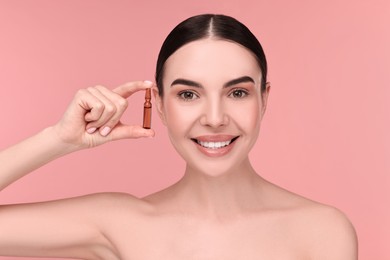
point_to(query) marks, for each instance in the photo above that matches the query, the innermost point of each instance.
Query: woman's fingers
(122, 131)
(113, 108)
(120, 104)
(93, 116)
(105, 108)
(100, 109)
(127, 89)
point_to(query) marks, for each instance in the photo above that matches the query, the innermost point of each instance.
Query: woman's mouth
(215, 146)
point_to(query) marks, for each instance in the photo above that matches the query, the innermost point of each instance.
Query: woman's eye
(187, 95)
(238, 93)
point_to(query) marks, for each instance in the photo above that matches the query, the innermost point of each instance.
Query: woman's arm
(71, 228)
(65, 228)
(92, 118)
(30, 154)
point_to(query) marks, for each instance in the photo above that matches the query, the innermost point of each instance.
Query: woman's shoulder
(325, 229)
(329, 232)
(113, 204)
(328, 222)
(116, 199)
(310, 211)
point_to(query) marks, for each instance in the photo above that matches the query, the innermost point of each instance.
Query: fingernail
(152, 136)
(106, 130)
(148, 83)
(91, 130)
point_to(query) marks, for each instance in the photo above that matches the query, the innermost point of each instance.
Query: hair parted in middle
(215, 26)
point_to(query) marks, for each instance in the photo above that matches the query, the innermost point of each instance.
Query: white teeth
(214, 145)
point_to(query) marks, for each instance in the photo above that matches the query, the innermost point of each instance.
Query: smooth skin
(220, 209)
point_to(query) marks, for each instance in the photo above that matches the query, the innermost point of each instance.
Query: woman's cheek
(179, 117)
(251, 111)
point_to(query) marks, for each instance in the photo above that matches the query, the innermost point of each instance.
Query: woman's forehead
(213, 58)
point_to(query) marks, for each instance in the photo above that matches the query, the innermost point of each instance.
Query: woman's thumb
(122, 131)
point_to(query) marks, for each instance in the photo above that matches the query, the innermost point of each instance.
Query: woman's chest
(206, 240)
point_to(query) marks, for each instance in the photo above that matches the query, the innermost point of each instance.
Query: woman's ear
(264, 97)
(159, 104)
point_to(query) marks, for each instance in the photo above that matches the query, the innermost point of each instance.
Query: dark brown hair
(205, 26)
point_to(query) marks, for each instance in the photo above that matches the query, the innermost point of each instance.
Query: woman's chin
(215, 166)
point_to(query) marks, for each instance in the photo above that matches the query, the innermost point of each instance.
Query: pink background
(325, 134)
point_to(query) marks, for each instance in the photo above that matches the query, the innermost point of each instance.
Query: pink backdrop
(325, 134)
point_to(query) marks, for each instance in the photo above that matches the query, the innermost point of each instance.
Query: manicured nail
(91, 130)
(148, 83)
(106, 130)
(152, 136)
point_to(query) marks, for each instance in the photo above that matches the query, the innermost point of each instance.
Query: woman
(211, 94)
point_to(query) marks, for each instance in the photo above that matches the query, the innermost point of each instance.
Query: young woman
(211, 93)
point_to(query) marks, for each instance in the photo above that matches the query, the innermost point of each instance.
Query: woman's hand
(93, 116)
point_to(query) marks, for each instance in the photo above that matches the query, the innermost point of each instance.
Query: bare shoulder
(106, 208)
(335, 236)
(325, 230)
(117, 214)
(116, 202)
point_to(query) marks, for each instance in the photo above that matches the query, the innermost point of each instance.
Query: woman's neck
(228, 194)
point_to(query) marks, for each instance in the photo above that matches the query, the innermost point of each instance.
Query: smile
(209, 144)
(214, 145)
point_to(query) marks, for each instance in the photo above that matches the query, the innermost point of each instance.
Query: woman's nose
(214, 114)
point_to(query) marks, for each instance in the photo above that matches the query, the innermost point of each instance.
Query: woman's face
(212, 104)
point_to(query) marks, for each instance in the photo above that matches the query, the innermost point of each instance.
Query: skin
(220, 209)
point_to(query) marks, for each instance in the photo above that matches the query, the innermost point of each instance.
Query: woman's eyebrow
(187, 82)
(238, 81)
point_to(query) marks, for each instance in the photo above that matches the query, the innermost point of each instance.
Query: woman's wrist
(59, 147)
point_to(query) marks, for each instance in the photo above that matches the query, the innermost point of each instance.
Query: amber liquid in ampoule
(147, 110)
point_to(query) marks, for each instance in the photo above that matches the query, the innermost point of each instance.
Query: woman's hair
(210, 26)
